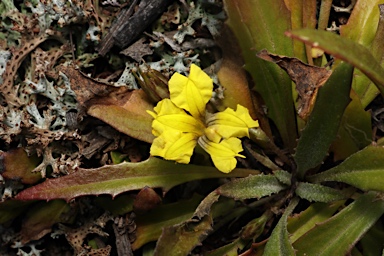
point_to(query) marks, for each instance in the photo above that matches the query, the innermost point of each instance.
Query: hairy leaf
(363, 170)
(318, 193)
(279, 244)
(337, 235)
(255, 186)
(324, 120)
(115, 179)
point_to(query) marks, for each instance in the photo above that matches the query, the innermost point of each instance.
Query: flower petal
(223, 153)
(176, 146)
(193, 92)
(168, 117)
(230, 123)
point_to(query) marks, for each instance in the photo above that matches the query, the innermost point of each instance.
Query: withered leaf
(123, 109)
(147, 199)
(137, 50)
(16, 164)
(308, 79)
(85, 87)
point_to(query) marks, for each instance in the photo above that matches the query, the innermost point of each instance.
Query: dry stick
(128, 27)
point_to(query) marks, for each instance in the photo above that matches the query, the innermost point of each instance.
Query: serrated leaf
(324, 120)
(337, 235)
(252, 35)
(279, 244)
(318, 193)
(255, 186)
(316, 213)
(116, 179)
(344, 49)
(283, 176)
(363, 170)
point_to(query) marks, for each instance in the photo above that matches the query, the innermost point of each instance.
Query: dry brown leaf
(308, 79)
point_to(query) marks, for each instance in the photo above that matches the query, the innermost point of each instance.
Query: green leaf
(316, 213)
(188, 237)
(116, 179)
(337, 235)
(120, 205)
(362, 24)
(371, 243)
(255, 186)
(318, 193)
(150, 225)
(303, 15)
(355, 131)
(344, 49)
(10, 209)
(279, 244)
(228, 249)
(365, 26)
(260, 25)
(182, 238)
(283, 176)
(363, 170)
(40, 219)
(323, 122)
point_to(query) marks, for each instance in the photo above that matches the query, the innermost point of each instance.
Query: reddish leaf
(16, 164)
(126, 114)
(121, 108)
(116, 179)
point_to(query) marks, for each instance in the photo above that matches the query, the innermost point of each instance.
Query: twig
(128, 27)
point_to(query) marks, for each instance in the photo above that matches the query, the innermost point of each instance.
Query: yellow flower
(181, 122)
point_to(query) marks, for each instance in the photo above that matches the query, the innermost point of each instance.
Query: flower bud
(154, 84)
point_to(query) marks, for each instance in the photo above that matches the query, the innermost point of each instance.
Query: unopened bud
(254, 228)
(154, 84)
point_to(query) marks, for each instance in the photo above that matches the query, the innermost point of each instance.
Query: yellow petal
(230, 123)
(223, 153)
(212, 135)
(193, 92)
(169, 117)
(224, 164)
(174, 146)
